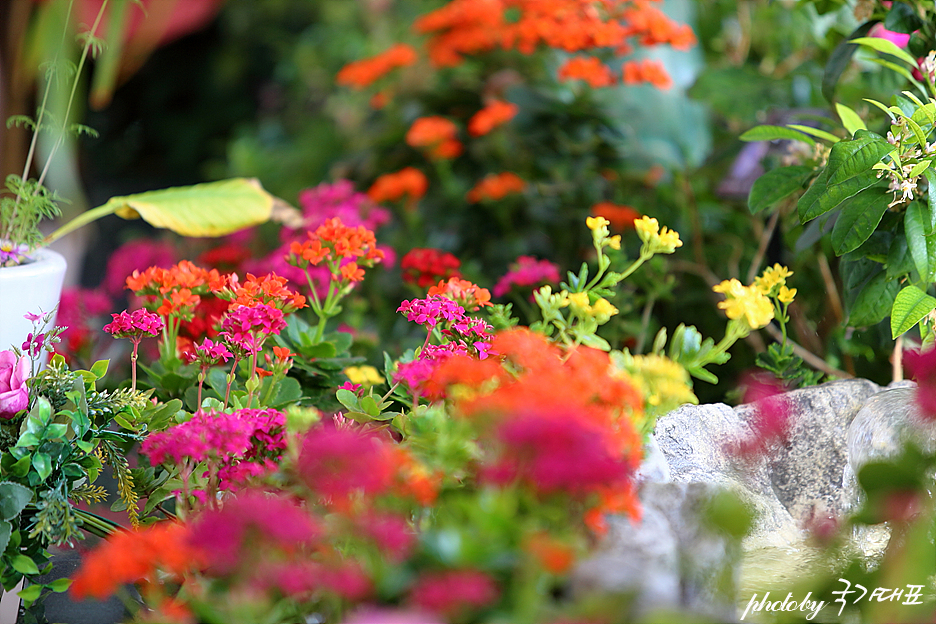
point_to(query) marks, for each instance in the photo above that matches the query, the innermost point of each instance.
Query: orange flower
(491, 116)
(359, 74)
(178, 302)
(462, 27)
(620, 217)
(130, 556)
(352, 273)
(334, 241)
(496, 186)
(282, 353)
(466, 294)
(589, 69)
(393, 186)
(551, 553)
(436, 134)
(647, 70)
(270, 289)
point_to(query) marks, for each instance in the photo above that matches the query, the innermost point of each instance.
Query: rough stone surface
(797, 482)
(670, 559)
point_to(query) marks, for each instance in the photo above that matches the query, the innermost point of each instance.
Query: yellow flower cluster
(364, 375)
(600, 232)
(602, 310)
(655, 239)
(747, 303)
(773, 283)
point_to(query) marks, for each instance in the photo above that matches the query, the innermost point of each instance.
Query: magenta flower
(140, 323)
(771, 419)
(430, 310)
(922, 366)
(331, 463)
(209, 353)
(450, 592)
(208, 435)
(245, 328)
(527, 271)
(14, 395)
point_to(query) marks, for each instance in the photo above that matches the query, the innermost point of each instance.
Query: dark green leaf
(775, 185)
(840, 59)
(902, 19)
(922, 247)
(13, 499)
(859, 218)
(6, 530)
(848, 159)
(874, 301)
(929, 224)
(42, 463)
(910, 305)
(899, 261)
(773, 133)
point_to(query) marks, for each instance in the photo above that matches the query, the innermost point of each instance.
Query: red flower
(620, 217)
(425, 266)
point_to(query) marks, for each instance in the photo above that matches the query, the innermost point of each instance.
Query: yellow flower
(615, 242)
(771, 277)
(730, 288)
(603, 310)
(786, 294)
(664, 383)
(596, 223)
(364, 375)
(579, 303)
(655, 239)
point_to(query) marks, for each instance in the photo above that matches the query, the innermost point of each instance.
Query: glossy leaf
(911, 305)
(885, 46)
(821, 197)
(24, 565)
(848, 159)
(776, 184)
(819, 134)
(13, 499)
(859, 217)
(774, 133)
(929, 221)
(840, 59)
(6, 529)
(922, 247)
(850, 119)
(874, 301)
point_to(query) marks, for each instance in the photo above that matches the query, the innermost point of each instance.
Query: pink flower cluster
(275, 520)
(14, 395)
(209, 353)
(430, 310)
(527, 271)
(208, 435)
(245, 328)
(327, 201)
(331, 460)
(450, 592)
(556, 452)
(267, 443)
(135, 325)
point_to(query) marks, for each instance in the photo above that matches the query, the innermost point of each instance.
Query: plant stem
(133, 363)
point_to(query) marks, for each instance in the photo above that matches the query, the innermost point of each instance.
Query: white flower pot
(29, 288)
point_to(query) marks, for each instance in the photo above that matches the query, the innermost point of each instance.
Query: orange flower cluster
(580, 382)
(587, 68)
(491, 116)
(620, 217)
(496, 186)
(333, 241)
(393, 186)
(464, 27)
(436, 134)
(411, 478)
(131, 556)
(360, 74)
(466, 294)
(177, 288)
(647, 70)
(270, 289)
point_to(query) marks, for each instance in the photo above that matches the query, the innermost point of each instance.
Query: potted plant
(31, 275)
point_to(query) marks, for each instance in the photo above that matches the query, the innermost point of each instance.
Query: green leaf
(819, 134)
(820, 199)
(30, 594)
(911, 305)
(99, 368)
(24, 565)
(848, 159)
(919, 168)
(42, 463)
(773, 133)
(874, 301)
(929, 215)
(902, 19)
(210, 209)
(6, 529)
(850, 118)
(13, 499)
(369, 406)
(21, 467)
(917, 133)
(348, 399)
(775, 185)
(60, 585)
(886, 46)
(921, 246)
(899, 261)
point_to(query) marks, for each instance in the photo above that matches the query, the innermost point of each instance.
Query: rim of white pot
(41, 261)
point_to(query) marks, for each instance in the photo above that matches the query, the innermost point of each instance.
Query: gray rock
(670, 560)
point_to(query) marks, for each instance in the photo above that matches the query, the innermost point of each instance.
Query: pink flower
(14, 395)
(527, 271)
(771, 419)
(430, 310)
(245, 328)
(135, 325)
(209, 352)
(138, 255)
(450, 592)
(337, 462)
(922, 366)
(368, 615)
(899, 39)
(208, 435)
